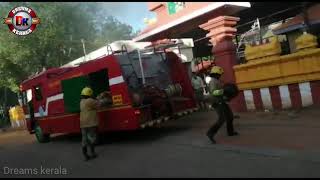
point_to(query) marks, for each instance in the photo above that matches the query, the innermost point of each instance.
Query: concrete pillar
(221, 32)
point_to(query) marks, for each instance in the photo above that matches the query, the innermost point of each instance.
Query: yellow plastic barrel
(17, 116)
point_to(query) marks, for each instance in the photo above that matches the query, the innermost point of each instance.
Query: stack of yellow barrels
(17, 117)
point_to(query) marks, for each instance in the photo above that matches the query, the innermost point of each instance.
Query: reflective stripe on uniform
(218, 92)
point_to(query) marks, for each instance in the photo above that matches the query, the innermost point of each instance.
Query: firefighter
(88, 122)
(219, 102)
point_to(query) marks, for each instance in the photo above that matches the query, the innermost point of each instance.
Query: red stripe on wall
(315, 91)
(238, 104)
(275, 97)
(295, 95)
(257, 99)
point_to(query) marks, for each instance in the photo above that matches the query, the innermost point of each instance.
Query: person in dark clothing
(219, 102)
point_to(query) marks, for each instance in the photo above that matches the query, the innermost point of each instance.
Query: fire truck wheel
(42, 138)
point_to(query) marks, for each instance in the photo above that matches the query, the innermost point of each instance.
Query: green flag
(171, 7)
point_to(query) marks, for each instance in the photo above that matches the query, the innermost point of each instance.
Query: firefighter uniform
(220, 105)
(88, 121)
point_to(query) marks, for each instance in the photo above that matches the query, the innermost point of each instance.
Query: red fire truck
(146, 89)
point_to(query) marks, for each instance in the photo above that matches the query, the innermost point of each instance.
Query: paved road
(178, 149)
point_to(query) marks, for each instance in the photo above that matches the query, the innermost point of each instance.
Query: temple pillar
(221, 32)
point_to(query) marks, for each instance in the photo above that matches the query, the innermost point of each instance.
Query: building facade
(214, 27)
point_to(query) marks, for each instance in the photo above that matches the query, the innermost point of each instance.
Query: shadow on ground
(141, 136)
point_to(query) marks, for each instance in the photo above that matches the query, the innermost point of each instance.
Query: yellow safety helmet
(216, 70)
(87, 91)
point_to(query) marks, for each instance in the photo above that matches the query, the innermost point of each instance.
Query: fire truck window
(29, 95)
(38, 93)
(99, 81)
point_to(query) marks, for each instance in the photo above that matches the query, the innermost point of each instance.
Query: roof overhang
(197, 13)
(294, 27)
(298, 22)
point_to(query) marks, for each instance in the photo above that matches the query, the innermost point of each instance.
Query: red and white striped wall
(283, 97)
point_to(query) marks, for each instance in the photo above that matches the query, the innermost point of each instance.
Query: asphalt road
(177, 149)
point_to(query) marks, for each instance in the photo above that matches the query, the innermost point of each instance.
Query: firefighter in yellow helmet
(220, 105)
(88, 122)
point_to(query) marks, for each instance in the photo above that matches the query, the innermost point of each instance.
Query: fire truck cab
(146, 89)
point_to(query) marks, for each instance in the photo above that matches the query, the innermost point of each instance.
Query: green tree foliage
(112, 29)
(57, 40)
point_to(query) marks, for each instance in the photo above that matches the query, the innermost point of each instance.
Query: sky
(131, 13)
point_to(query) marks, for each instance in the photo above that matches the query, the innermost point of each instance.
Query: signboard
(174, 7)
(117, 99)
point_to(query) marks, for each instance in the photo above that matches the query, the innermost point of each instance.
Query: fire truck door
(30, 107)
(71, 89)
(99, 81)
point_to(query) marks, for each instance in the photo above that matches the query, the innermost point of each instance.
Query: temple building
(269, 49)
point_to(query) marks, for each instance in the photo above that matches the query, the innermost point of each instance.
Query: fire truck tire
(42, 138)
